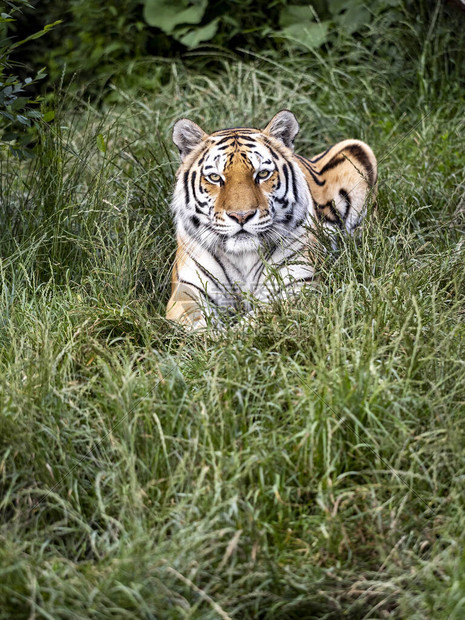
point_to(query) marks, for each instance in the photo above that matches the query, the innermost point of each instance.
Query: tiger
(247, 211)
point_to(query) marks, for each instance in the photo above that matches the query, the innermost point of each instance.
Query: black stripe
(359, 153)
(346, 197)
(241, 136)
(227, 139)
(253, 266)
(224, 271)
(286, 178)
(262, 262)
(186, 186)
(235, 137)
(198, 202)
(206, 273)
(222, 132)
(308, 166)
(283, 202)
(305, 162)
(338, 218)
(286, 259)
(202, 155)
(209, 275)
(294, 184)
(270, 148)
(273, 154)
(257, 269)
(311, 171)
(333, 163)
(296, 280)
(317, 181)
(315, 159)
(206, 295)
(258, 273)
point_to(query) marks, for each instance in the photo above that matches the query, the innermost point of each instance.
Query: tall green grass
(309, 466)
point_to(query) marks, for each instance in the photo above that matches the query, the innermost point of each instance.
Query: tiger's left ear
(186, 136)
(284, 127)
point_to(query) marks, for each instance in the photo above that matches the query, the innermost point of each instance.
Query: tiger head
(240, 189)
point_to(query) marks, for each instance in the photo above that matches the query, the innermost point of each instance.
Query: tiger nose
(242, 216)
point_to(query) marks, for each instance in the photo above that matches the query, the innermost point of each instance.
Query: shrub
(18, 108)
(99, 41)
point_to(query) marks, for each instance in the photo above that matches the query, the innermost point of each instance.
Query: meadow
(311, 465)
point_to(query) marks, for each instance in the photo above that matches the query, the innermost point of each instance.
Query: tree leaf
(197, 35)
(354, 18)
(337, 6)
(19, 103)
(310, 35)
(295, 14)
(7, 115)
(167, 14)
(48, 116)
(23, 120)
(9, 136)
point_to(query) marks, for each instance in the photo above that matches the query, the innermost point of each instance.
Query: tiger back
(247, 210)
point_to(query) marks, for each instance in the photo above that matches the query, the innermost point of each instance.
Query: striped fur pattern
(246, 209)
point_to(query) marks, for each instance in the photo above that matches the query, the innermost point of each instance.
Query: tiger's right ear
(186, 136)
(284, 127)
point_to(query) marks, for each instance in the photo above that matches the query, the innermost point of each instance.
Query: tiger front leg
(186, 312)
(188, 306)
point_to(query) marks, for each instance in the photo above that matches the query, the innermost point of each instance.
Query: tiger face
(240, 189)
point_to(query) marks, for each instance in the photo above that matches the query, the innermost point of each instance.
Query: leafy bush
(95, 40)
(305, 25)
(98, 41)
(18, 109)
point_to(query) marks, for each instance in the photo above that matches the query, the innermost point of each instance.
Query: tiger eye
(214, 178)
(263, 174)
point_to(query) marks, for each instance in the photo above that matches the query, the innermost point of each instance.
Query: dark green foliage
(95, 40)
(97, 37)
(102, 40)
(19, 111)
(304, 25)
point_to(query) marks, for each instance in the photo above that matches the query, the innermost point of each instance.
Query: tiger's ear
(186, 136)
(284, 127)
